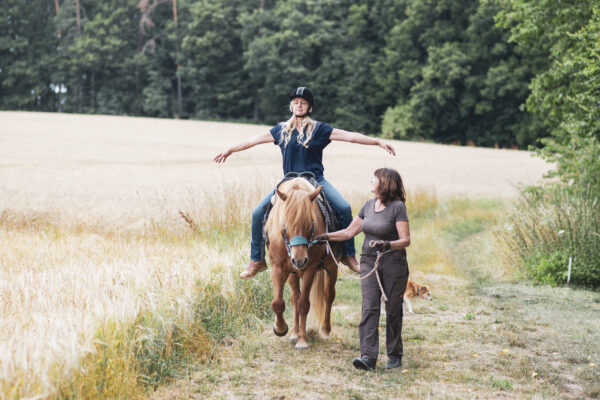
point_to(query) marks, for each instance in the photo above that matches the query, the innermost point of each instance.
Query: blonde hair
(304, 134)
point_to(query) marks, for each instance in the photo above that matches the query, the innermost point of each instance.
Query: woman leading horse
(302, 140)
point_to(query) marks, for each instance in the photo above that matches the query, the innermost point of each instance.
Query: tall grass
(124, 311)
(549, 227)
(156, 347)
(78, 297)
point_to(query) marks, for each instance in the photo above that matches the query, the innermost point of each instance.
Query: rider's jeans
(339, 204)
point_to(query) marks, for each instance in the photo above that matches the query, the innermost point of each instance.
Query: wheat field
(90, 230)
(128, 168)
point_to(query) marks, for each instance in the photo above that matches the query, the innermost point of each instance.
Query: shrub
(550, 225)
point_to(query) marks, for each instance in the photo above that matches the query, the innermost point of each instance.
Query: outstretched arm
(265, 137)
(352, 230)
(355, 137)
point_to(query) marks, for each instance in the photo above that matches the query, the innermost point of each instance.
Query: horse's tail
(317, 298)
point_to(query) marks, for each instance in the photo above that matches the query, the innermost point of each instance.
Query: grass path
(482, 337)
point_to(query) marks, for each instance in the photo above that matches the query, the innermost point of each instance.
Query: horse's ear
(313, 195)
(282, 195)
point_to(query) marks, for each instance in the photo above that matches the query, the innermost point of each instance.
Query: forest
(479, 72)
(438, 70)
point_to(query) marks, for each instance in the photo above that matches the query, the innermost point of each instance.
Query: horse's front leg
(330, 280)
(279, 277)
(294, 281)
(304, 306)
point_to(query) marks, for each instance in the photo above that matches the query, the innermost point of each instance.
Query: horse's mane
(296, 213)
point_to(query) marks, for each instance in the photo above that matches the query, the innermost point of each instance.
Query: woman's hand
(387, 147)
(321, 238)
(380, 245)
(261, 138)
(221, 157)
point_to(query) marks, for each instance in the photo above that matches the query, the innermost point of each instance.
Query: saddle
(329, 215)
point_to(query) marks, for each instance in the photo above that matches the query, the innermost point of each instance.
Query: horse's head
(299, 225)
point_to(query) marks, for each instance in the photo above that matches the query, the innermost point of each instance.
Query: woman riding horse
(301, 140)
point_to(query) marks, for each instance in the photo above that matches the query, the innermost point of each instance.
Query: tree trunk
(93, 83)
(255, 107)
(179, 91)
(78, 16)
(175, 12)
(79, 94)
(57, 6)
(179, 94)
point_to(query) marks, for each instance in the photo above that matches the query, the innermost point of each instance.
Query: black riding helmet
(306, 94)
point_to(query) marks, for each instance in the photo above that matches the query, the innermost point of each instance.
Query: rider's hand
(387, 147)
(321, 238)
(221, 157)
(381, 245)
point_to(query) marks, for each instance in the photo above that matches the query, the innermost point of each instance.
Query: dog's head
(423, 292)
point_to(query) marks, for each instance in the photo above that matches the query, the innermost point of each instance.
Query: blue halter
(297, 240)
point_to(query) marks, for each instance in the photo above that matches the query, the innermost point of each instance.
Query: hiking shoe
(364, 362)
(350, 262)
(253, 268)
(394, 362)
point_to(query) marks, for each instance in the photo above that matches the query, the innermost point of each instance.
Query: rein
(374, 270)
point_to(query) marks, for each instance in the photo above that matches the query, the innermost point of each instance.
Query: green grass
(550, 226)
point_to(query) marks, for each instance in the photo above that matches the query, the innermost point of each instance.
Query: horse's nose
(299, 264)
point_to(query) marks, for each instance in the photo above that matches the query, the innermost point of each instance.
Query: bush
(550, 225)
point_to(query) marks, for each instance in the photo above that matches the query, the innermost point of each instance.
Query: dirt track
(105, 163)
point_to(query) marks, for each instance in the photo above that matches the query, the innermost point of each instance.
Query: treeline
(434, 69)
(554, 233)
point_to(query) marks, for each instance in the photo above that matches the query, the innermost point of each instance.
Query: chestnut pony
(293, 222)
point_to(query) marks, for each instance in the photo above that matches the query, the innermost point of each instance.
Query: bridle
(298, 240)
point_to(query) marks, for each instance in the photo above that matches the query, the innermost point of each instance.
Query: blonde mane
(296, 213)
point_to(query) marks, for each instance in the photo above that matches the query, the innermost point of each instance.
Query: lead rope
(379, 255)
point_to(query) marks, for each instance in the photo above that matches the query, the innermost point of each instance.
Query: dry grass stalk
(189, 220)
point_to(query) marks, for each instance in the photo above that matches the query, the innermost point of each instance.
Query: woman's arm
(261, 138)
(404, 233)
(352, 230)
(355, 137)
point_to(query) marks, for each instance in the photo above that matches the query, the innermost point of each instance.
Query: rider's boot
(253, 268)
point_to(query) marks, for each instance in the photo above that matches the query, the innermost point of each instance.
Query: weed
(549, 229)
(501, 384)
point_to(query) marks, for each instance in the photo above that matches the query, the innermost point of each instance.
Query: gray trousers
(393, 272)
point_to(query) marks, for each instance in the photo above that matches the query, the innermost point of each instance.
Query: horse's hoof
(301, 346)
(325, 335)
(293, 339)
(278, 333)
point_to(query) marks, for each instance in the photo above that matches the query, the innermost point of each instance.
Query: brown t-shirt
(381, 225)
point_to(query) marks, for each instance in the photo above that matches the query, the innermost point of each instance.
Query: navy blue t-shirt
(296, 157)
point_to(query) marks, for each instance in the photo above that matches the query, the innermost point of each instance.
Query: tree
(28, 41)
(456, 78)
(567, 94)
(213, 63)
